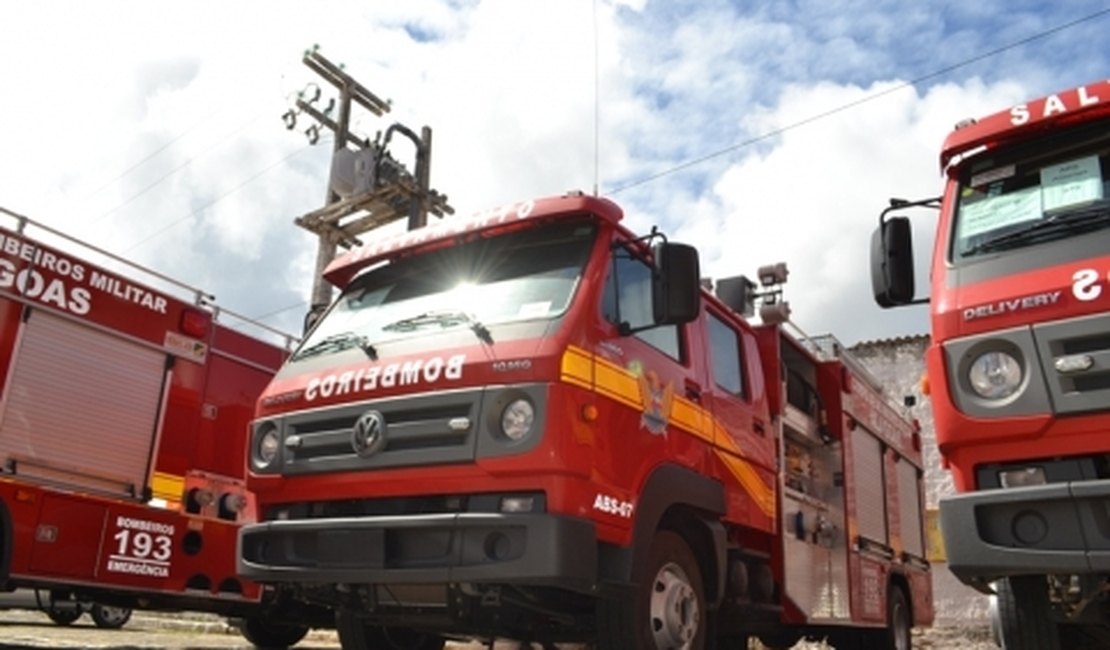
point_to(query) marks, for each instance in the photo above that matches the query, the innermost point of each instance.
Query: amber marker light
(589, 413)
(925, 384)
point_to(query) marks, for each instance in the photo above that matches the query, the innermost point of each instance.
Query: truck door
(646, 371)
(743, 438)
(81, 406)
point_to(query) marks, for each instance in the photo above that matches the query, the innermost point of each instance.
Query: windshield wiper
(443, 318)
(336, 343)
(1092, 217)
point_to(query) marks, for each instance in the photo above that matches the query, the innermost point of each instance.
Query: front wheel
(108, 617)
(64, 615)
(667, 610)
(1021, 614)
(357, 634)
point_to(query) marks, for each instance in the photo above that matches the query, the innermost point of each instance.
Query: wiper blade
(443, 318)
(336, 343)
(1085, 219)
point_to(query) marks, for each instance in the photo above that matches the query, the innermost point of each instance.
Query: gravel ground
(21, 630)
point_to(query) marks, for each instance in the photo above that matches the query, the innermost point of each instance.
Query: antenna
(597, 107)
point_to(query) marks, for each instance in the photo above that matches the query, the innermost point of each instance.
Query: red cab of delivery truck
(1019, 363)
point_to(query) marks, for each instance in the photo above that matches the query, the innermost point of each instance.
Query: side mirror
(892, 262)
(676, 284)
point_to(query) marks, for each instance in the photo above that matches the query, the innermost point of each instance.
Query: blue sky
(153, 129)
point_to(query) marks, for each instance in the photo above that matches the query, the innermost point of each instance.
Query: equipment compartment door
(81, 407)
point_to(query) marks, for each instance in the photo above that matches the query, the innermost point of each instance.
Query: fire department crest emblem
(657, 400)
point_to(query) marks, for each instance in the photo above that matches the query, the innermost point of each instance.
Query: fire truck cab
(534, 424)
(1019, 362)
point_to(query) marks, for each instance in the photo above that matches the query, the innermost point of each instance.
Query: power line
(271, 314)
(151, 155)
(223, 141)
(858, 102)
(213, 202)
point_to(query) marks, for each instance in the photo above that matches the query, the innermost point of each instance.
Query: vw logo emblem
(368, 436)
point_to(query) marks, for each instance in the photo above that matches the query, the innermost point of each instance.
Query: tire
(852, 639)
(899, 621)
(266, 633)
(667, 609)
(781, 640)
(63, 616)
(357, 634)
(738, 642)
(1023, 616)
(108, 617)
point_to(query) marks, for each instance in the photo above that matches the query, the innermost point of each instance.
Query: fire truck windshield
(523, 275)
(1031, 200)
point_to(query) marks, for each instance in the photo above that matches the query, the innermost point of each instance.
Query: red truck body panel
(123, 418)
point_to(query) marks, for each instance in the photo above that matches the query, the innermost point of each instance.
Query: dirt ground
(20, 630)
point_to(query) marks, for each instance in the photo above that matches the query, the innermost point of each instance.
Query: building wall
(899, 364)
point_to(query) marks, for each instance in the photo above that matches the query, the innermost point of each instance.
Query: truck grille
(1076, 390)
(436, 428)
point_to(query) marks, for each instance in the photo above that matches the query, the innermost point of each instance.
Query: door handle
(758, 427)
(693, 390)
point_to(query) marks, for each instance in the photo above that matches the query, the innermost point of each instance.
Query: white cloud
(813, 198)
(509, 88)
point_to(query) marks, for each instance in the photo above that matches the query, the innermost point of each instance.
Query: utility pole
(367, 187)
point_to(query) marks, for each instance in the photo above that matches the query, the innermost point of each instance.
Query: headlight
(517, 419)
(266, 448)
(995, 375)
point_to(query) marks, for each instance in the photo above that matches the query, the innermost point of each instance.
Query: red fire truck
(1019, 364)
(123, 412)
(533, 424)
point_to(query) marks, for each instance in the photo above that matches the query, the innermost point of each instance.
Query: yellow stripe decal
(577, 367)
(763, 496)
(581, 368)
(690, 417)
(167, 486)
(617, 383)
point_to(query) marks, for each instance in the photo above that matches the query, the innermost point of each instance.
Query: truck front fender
(683, 498)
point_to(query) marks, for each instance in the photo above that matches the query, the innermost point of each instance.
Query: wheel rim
(114, 616)
(675, 612)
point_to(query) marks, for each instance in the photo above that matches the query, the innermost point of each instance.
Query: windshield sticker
(534, 309)
(993, 175)
(1000, 211)
(1071, 183)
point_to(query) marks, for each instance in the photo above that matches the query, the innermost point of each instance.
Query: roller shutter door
(909, 501)
(81, 406)
(867, 458)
